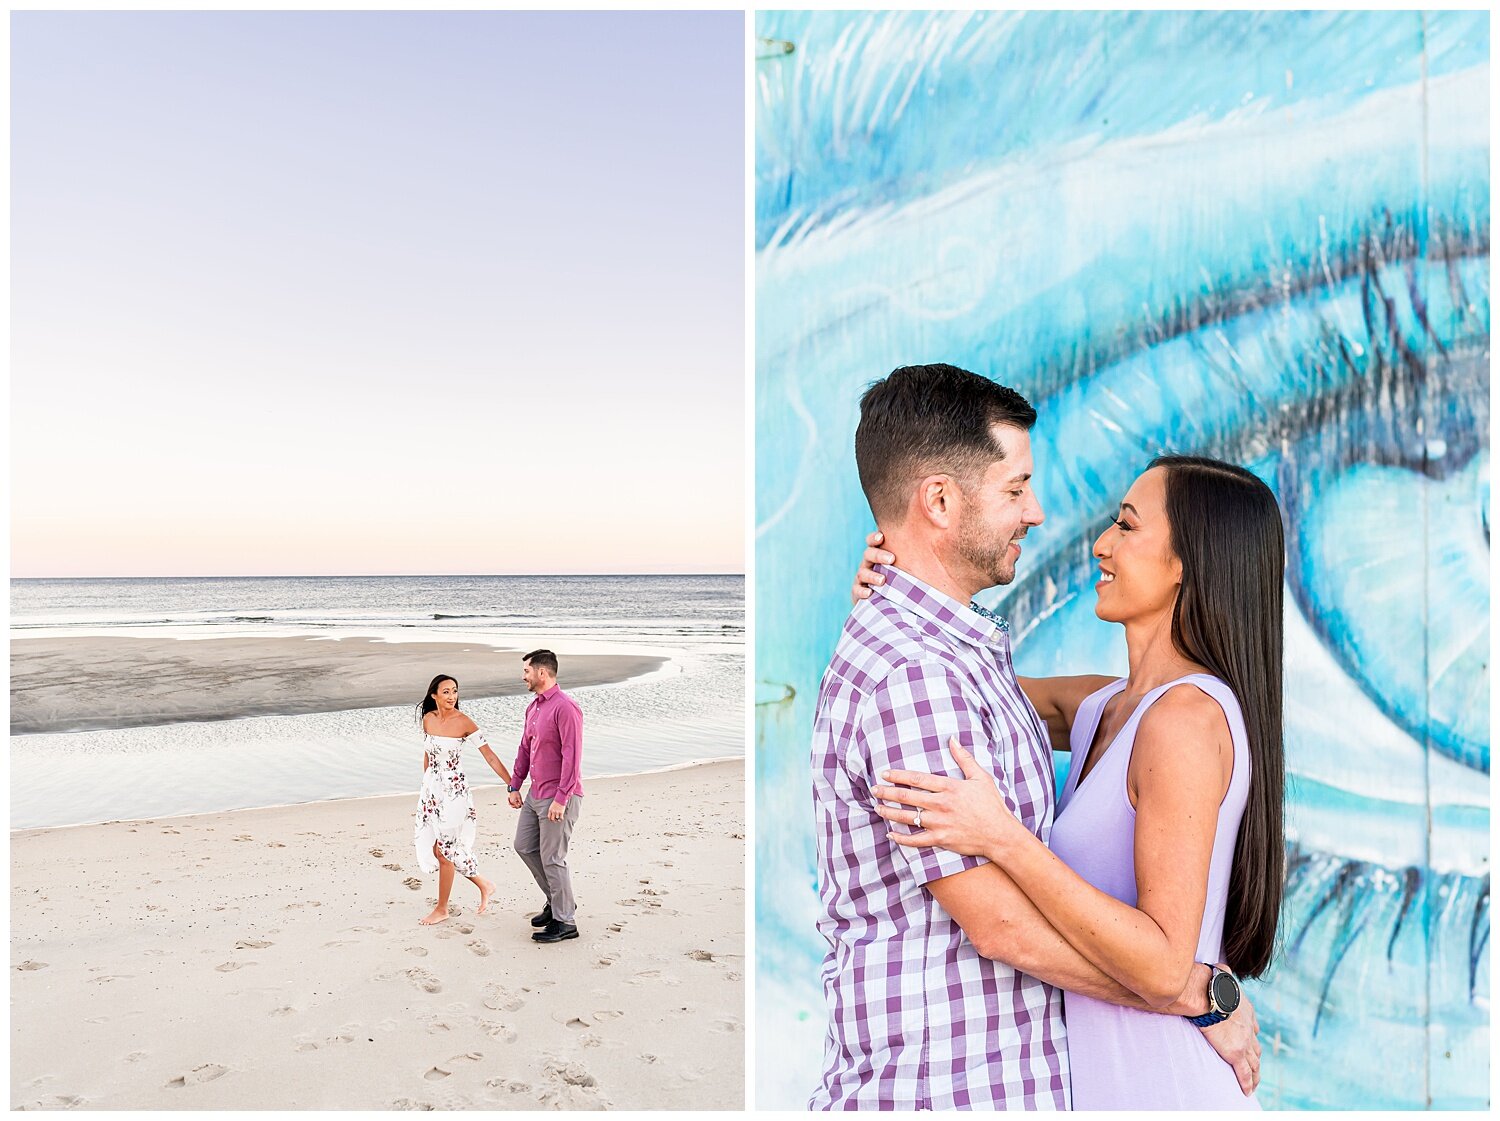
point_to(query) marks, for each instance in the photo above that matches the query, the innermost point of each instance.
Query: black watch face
(1226, 992)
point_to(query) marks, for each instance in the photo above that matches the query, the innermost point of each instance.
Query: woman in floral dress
(446, 821)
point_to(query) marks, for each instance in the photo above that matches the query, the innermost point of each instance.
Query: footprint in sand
(498, 999)
(244, 837)
(498, 1031)
(284, 1010)
(726, 1025)
(479, 948)
(275, 845)
(135, 1056)
(420, 951)
(377, 853)
(231, 966)
(58, 1101)
(205, 1073)
(413, 883)
(437, 1074)
(575, 1022)
(29, 966)
(572, 1086)
(424, 980)
(508, 1085)
(409, 1104)
(615, 927)
(391, 867)
(701, 955)
(252, 944)
(608, 1014)
(606, 961)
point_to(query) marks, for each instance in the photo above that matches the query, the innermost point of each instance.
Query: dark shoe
(544, 918)
(556, 932)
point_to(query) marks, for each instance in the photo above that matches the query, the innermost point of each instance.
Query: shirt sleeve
(519, 772)
(905, 724)
(570, 737)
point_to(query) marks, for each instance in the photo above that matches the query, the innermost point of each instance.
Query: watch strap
(1207, 1020)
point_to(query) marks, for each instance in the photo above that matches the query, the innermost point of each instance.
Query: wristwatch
(513, 789)
(1223, 998)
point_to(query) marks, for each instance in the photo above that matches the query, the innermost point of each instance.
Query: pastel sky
(351, 292)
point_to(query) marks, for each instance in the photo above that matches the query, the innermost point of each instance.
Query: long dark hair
(1226, 531)
(427, 704)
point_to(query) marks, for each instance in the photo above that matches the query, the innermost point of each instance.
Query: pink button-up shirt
(551, 747)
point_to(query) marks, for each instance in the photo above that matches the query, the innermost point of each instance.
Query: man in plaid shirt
(941, 977)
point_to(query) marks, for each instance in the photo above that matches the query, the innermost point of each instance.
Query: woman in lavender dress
(1167, 847)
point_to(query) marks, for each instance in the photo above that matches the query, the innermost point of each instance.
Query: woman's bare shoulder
(1178, 726)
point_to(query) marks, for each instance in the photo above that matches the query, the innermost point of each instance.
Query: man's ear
(937, 501)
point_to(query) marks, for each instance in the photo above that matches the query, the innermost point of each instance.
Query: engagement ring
(916, 821)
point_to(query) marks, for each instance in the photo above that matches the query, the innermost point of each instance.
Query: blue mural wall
(1260, 236)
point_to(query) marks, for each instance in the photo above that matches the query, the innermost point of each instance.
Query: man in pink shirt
(550, 752)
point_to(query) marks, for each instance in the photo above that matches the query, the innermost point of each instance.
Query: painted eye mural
(1258, 236)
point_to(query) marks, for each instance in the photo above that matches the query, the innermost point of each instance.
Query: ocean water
(690, 709)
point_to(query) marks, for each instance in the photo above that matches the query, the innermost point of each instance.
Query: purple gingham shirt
(918, 1020)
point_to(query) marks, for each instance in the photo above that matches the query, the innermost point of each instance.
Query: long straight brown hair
(1226, 531)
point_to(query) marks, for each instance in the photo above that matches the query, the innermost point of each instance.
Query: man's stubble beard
(977, 547)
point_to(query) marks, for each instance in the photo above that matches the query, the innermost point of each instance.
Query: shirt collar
(971, 623)
(545, 693)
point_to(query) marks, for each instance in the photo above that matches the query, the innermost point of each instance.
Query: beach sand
(271, 958)
(76, 684)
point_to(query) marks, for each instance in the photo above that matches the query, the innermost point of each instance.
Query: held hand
(555, 812)
(968, 817)
(867, 578)
(1237, 1040)
(514, 798)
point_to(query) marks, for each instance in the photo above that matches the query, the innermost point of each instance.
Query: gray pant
(543, 845)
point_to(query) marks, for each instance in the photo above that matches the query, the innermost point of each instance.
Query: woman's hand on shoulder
(867, 579)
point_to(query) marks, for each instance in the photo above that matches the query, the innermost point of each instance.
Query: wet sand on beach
(77, 684)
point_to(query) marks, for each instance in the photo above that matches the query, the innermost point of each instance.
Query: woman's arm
(495, 765)
(1179, 773)
(1056, 700)
(487, 752)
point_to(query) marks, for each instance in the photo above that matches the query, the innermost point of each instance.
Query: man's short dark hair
(542, 659)
(925, 420)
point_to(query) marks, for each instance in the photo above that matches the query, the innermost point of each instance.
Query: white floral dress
(445, 808)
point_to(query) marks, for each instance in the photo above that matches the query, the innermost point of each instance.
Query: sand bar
(77, 684)
(268, 959)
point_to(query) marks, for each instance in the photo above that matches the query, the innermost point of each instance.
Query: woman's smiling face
(446, 695)
(1139, 573)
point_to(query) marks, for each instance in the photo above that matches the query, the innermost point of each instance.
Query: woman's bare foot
(486, 889)
(439, 914)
